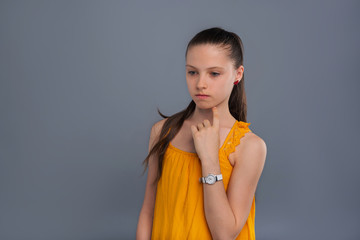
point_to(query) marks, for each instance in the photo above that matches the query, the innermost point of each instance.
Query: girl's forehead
(206, 56)
(206, 48)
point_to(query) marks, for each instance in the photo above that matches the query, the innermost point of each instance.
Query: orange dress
(179, 205)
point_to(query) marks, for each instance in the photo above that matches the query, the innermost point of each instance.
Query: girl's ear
(239, 72)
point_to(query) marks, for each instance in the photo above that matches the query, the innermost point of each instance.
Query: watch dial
(211, 179)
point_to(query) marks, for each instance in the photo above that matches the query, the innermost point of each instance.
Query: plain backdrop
(81, 81)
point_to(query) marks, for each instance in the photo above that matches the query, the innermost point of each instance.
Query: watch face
(210, 179)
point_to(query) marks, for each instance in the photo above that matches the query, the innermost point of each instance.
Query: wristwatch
(211, 178)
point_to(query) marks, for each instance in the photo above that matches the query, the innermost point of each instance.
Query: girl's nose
(201, 83)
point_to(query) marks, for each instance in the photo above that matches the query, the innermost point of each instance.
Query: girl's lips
(202, 96)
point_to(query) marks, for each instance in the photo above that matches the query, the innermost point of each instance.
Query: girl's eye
(215, 74)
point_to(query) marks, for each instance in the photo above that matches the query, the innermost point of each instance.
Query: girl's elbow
(228, 235)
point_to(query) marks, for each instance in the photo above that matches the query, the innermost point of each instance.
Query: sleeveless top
(179, 206)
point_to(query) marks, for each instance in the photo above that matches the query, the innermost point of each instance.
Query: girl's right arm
(144, 226)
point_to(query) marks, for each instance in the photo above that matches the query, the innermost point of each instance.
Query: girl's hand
(206, 139)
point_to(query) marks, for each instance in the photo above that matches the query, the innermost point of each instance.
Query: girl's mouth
(202, 96)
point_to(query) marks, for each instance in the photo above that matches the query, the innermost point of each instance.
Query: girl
(201, 180)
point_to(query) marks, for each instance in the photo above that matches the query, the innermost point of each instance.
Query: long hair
(237, 101)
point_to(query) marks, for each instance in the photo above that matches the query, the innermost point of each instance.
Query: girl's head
(214, 62)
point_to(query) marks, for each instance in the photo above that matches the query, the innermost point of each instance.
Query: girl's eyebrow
(207, 68)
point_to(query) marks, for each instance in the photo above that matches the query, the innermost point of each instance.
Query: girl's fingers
(193, 130)
(215, 117)
(207, 123)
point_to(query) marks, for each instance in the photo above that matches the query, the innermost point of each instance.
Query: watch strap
(217, 178)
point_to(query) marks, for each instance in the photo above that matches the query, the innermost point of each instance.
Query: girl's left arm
(226, 213)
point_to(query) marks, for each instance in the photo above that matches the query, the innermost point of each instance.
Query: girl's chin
(203, 106)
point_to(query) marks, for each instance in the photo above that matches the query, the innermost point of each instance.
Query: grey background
(80, 82)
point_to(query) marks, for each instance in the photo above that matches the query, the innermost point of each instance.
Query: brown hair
(237, 101)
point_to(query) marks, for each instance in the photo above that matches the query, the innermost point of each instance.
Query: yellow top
(179, 206)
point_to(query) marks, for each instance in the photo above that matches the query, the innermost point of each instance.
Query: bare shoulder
(158, 125)
(251, 147)
(250, 139)
(155, 131)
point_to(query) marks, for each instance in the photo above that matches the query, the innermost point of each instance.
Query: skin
(226, 212)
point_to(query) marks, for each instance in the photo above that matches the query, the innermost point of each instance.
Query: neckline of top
(222, 146)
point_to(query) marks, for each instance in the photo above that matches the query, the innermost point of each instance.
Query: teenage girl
(202, 179)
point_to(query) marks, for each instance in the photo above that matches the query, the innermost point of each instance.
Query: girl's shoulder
(251, 142)
(248, 137)
(156, 128)
(252, 137)
(159, 124)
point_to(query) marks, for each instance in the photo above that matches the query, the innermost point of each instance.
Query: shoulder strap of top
(239, 131)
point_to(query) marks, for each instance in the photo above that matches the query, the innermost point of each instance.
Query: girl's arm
(144, 226)
(226, 213)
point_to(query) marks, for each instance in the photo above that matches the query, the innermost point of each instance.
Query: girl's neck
(225, 117)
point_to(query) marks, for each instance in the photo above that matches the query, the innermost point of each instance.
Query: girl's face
(210, 71)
